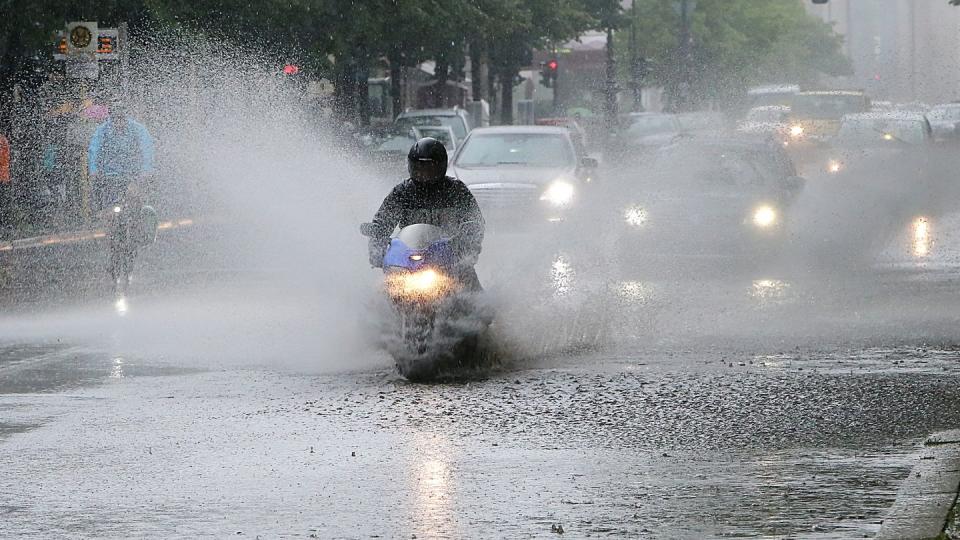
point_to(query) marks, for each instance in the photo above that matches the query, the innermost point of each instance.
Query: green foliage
(737, 43)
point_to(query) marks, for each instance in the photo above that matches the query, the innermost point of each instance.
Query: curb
(926, 497)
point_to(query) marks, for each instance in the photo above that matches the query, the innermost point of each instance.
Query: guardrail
(77, 237)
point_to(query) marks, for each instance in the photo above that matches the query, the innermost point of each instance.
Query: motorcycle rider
(430, 196)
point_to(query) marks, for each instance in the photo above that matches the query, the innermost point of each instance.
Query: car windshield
(767, 114)
(442, 134)
(527, 149)
(652, 125)
(700, 121)
(701, 168)
(880, 131)
(951, 114)
(827, 105)
(452, 121)
(782, 99)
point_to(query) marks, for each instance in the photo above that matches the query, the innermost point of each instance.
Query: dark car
(708, 196)
(871, 139)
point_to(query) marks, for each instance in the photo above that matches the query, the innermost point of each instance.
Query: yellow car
(816, 115)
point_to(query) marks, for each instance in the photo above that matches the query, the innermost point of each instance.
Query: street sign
(107, 46)
(82, 37)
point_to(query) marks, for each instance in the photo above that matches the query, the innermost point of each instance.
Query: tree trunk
(396, 89)
(442, 74)
(492, 91)
(363, 95)
(506, 97)
(345, 89)
(610, 89)
(476, 73)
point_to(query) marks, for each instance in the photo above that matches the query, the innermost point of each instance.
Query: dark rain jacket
(447, 204)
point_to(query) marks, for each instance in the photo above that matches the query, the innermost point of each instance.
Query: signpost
(85, 50)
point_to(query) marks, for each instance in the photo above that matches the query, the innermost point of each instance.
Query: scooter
(438, 322)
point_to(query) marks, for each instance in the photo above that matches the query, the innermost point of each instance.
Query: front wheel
(122, 253)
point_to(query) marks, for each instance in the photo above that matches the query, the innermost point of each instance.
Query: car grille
(506, 196)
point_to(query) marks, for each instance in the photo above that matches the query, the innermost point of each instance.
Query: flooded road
(755, 405)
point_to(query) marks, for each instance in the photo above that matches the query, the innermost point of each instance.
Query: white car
(523, 174)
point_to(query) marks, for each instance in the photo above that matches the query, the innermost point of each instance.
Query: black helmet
(427, 160)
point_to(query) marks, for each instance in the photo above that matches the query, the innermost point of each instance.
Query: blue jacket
(112, 153)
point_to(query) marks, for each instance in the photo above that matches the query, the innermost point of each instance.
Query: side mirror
(795, 183)
(470, 228)
(366, 229)
(589, 163)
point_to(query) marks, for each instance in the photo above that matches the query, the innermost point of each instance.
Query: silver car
(521, 174)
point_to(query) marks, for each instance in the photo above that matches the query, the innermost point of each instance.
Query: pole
(684, 66)
(610, 89)
(635, 82)
(557, 103)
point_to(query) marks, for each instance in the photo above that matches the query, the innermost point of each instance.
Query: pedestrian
(6, 199)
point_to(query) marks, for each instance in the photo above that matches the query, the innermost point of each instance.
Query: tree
(737, 43)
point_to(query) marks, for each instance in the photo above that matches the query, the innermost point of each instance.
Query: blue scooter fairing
(438, 254)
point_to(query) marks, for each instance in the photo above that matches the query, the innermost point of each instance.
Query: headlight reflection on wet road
(922, 237)
(116, 372)
(769, 291)
(433, 484)
(636, 292)
(120, 306)
(562, 275)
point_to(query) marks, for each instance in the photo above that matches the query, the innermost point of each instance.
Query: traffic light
(548, 72)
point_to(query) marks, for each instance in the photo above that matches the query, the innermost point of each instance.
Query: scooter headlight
(796, 131)
(834, 166)
(426, 283)
(117, 209)
(559, 193)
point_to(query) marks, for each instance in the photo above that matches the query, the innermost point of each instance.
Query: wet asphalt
(757, 403)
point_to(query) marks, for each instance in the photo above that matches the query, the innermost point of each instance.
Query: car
(652, 128)
(776, 94)
(815, 116)
(765, 120)
(708, 196)
(523, 174)
(576, 130)
(388, 148)
(945, 121)
(702, 122)
(870, 136)
(444, 134)
(456, 119)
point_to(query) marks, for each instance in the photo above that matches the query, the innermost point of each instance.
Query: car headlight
(635, 216)
(834, 166)
(559, 193)
(796, 131)
(764, 216)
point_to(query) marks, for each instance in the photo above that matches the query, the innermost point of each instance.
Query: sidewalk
(925, 508)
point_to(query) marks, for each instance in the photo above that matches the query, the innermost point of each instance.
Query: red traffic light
(552, 65)
(291, 69)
